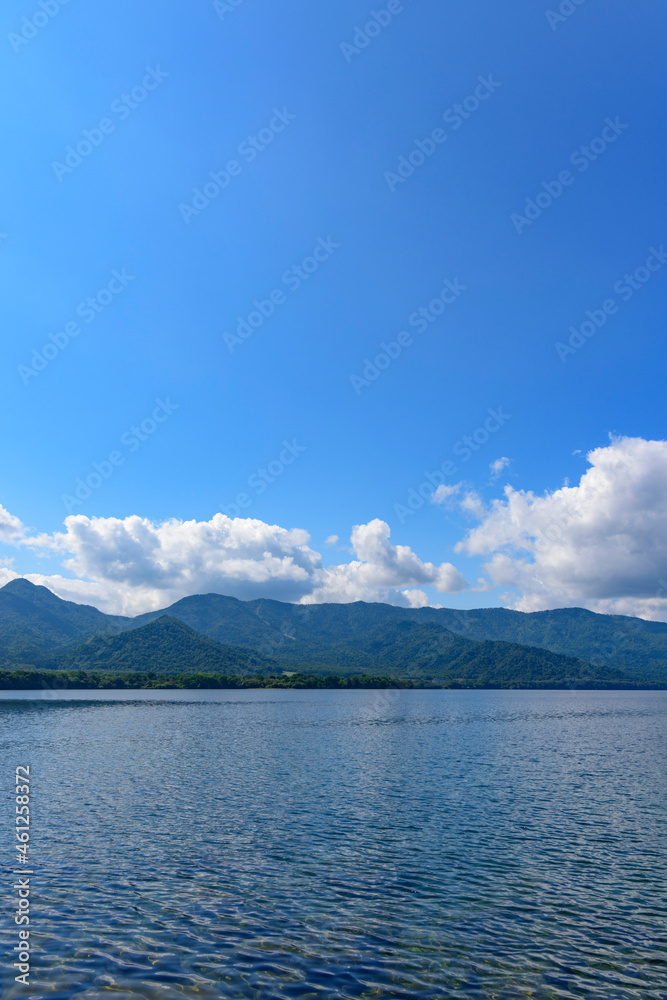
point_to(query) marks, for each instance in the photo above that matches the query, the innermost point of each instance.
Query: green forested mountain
(224, 619)
(315, 633)
(34, 622)
(164, 646)
(633, 645)
(397, 650)
(490, 645)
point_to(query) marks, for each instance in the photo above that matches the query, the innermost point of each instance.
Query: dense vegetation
(63, 680)
(81, 680)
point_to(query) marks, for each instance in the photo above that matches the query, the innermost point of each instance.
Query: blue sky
(333, 120)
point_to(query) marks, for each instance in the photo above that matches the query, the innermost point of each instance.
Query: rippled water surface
(299, 844)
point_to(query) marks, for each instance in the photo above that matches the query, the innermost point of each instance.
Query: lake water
(323, 844)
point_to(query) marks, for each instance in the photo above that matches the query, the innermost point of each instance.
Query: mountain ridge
(34, 621)
(38, 628)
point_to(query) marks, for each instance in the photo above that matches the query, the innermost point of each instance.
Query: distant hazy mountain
(490, 645)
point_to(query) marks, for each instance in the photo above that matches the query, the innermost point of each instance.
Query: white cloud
(416, 598)
(601, 544)
(445, 493)
(131, 565)
(145, 565)
(498, 466)
(470, 502)
(332, 540)
(98, 594)
(380, 570)
(6, 574)
(473, 504)
(11, 528)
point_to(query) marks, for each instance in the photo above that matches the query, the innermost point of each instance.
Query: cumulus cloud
(144, 565)
(380, 570)
(132, 565)
(601, 544)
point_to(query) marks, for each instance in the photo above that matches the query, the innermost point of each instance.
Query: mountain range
(220, 635)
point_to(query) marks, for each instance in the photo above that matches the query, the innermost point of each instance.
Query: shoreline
(26, 680)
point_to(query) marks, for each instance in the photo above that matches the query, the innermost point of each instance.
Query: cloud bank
(132, 565)
(601, 544)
